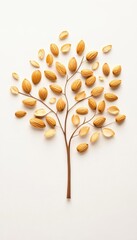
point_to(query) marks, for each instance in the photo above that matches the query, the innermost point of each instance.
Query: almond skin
(101, 106)
(92, 103)
(20, 114)
(76, 85)
(80, 48)
(37, 123)
(117, 70)
(54, 49)
(63, 35)
(120, 118)
(86, 73)
(43, 93)
(26, 86)
(82, 147)
(110, 97)
(15, 76)
(60, 105)
(106, 69)
(82, 110)
(97, 91)
(29, 102)
(36, 77)
(49, 59)
(61, 69)
(72, 65)
(51, 121)
(115, 83)
(41, 54)
(106, 49)
(98, 122)
(50, 75)
(91, 56)
(90, 81)
(56, 89)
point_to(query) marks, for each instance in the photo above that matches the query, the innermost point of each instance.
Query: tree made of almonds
(88, 119)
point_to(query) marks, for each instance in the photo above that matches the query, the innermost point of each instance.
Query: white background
(33, 171)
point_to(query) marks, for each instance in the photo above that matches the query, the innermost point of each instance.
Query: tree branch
(78, 103)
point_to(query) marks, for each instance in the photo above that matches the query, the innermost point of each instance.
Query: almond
(91, 56)
(63, 35)
(92, 103)
(36, 77)
(54, 49)
(115, 83)
(20, 114)
(56, 89)
(49, 59)
(34, 64)
(108, 132)
(50, 133)
(110, 97)
(80, 48)
(90, 81)
(15, 76)
(76, 85)
(52, 100)
(117, 70)
(82, 147)
(95, 66)
(101, 79)
(97, 91)
(75, 120)
(14, 90)
(86, 73)
(106, 49)
(61, 69)
(60, 105)
(37, 123)
(82, 110)
(101, 106)
(40, 113)
(120, 118)
(98, 122)
(43, 93)
(51, 121)
(95, 136)
(113, 110)
(41, 54)
(66, 48)
(29, 102)
(79, 96)
(26, 86)
(84, 131)
(50, 75)
(72, 65)
(106, 69)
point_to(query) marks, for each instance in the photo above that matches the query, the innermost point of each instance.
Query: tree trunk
(68, 173)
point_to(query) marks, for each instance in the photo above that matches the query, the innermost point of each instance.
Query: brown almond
(49, 59)
(60, 105)
(106, 69)
(101, 106)
(97, 91)
(82, 147)
(80, 96)
(120, 118)
(26, 86)
(51, 121)
(82, 110)
(106, 49)
(66, 48)
(86, 73)
(76, 85)
(90, 81)
(75, 120)
(20, 114)
(41, 54)
(92, 103)
(54, 49)
(91, 56)
(43, 93)
(14, 90)
(98, 122)
(50, 75)
(56, 89)
(80, 47)
(72, 65)
(29, 102)
(110, 97)
(37, 123)
(61, 69)
(36, 77)
(63, 35)
(115, 83)
(117, 70)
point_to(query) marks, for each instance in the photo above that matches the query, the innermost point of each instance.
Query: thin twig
(78, 102)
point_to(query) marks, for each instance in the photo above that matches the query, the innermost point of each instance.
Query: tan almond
(50, 75)
(14, 90)
(98, 122)
(84, 131)
(54, 49)
(108, 132)
(60, 105)
(101, 106)
(15, 76)
(63, 35)
(29, 102)
(92, 103)
(36, 77)
(91, 56)
(117, 70)
(26, 86)
(40, 113)
(49, 59)
(34, 64)
(97, 91)
(90, 81)
(95, 136)
(115, 83)
(110, 97)
(37, 123)
(43, 93)
(107, 48)
(72, 65)
(120, 118)
(86, 73)
(82, 110)
(101, 79)
(76, 85)
(75, 120)
(80, 96)
(41, 54)
(56, 88)
(106, 69)
(113, 110)
(50, 133)
(51, 121)
(66, 48)
(20, 114)
(82, 147)
(52, 100)
(80, 47)
(61, 69)
(95, 66)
